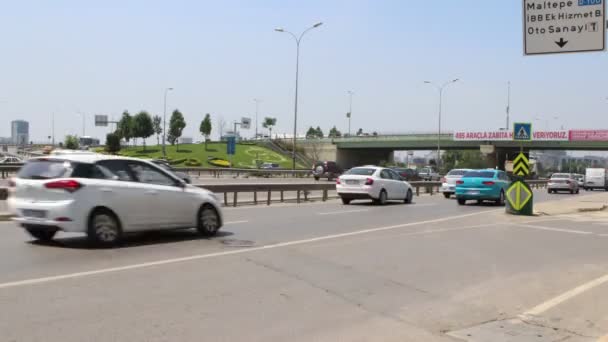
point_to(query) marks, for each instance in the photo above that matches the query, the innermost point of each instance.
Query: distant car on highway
(482, 185)
(10, 160)
(270, 166)
(596, 178)
(167, 167)
(106, 197)
(428, 174)
(448, 183)
(562, 182)
(408, 174)
(371, 182)
(323, 169)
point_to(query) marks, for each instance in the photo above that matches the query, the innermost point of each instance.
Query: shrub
(219, 162)
(112, 143)
(193, 162)
(177, 161)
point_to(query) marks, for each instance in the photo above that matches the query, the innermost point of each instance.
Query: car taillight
(488, 183)
(459, 182)
(338, 181)
(369, 181)
(68, 185)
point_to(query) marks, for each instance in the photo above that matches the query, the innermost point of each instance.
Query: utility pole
(350, 109)
(508, 103)
(53, 128)
(257, 105)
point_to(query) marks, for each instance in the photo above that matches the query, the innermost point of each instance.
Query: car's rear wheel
(317, 178)
(208, 221)
(571, 191)
(346, 200)
(41, 234)
(462, 201)
(104, 228)
(447, 194)
(409, 196)
(382, 198)
(501, 199)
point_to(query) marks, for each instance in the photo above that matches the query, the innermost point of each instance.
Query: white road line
(553, 302)
(343, 212)
(571, 231)
(34, 281)
(236, 222)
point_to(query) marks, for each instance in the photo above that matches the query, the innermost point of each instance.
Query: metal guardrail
(302, 190)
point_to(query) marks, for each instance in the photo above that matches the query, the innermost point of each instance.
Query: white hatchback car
(372, 182)
(105, 196)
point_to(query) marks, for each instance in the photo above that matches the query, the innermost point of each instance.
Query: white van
(596, 179)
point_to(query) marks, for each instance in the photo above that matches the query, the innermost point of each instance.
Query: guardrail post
(225, 198)
(298, 196)
(268, 198)
(418, 191)
(325, 195)
(431, 189)
(305, 195)
(281, 196)
(255, 197)
(234, 199)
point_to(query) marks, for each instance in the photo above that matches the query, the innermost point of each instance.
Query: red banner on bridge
(589, 135)
(559, 135)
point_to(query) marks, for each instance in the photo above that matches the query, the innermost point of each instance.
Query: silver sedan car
(563, 182)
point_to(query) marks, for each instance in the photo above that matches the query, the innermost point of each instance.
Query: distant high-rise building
(20, 132)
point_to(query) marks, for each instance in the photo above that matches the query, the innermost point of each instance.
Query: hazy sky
(63, 57)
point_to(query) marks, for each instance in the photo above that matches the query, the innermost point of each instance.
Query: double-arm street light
(165, 123)
(440, 89)
(297, 39)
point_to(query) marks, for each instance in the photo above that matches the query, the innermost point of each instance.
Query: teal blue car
(482, 185)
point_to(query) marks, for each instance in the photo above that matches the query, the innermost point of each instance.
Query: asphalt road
(429, 271)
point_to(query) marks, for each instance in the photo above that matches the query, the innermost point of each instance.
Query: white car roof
(86, 157)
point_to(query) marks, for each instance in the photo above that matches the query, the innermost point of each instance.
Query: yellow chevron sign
(518, 195)
(521, 165)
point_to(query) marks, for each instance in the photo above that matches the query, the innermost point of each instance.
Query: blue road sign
(230, 145)
(522, 131)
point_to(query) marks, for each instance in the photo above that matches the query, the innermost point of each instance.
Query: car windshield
(45, 169)
(361, 171)
(479, 174)
(457, 172)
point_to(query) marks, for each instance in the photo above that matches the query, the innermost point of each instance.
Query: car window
(118, 168)
(394, 175)
(560, 175)
(385, 174)
(82, 170)
(456, 173)
(147, 174)
(361, 171)
(45, 169)
(479, 174)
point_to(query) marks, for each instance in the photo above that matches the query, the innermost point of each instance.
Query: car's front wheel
(462, 201)
(409, 196)
(501, 199)
(447, 195)
(104, 229)
(208, 221)
(42, 234)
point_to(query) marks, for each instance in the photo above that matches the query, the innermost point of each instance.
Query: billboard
(589, 135)
(557, 135)
(101, 120)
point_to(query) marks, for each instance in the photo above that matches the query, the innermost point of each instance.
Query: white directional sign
(245, 123)
(558, 26)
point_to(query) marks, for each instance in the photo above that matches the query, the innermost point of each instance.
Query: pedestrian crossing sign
(522, 131)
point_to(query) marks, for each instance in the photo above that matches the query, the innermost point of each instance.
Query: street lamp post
(165, 123)
(257, 105)
(295, 116)
(350, 108)
(440, 88)
(83, 122)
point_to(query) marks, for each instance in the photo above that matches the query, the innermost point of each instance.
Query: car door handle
(151, 192)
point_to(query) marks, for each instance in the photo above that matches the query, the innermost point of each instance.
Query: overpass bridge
(353, 151)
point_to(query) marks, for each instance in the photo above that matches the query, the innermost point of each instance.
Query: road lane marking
(553, 302)
(343, 212)
(34, 281)
(236, 222)
(571, 231)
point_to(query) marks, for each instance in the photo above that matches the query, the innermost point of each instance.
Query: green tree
(112, 143)
(334, 133)
(269, 123)
(472, 159)
(71, 142)
(143, 126)
(156, 121)
(319, 132)
(124, 128)
(205, 128)
(176, 126)
(311, 133)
